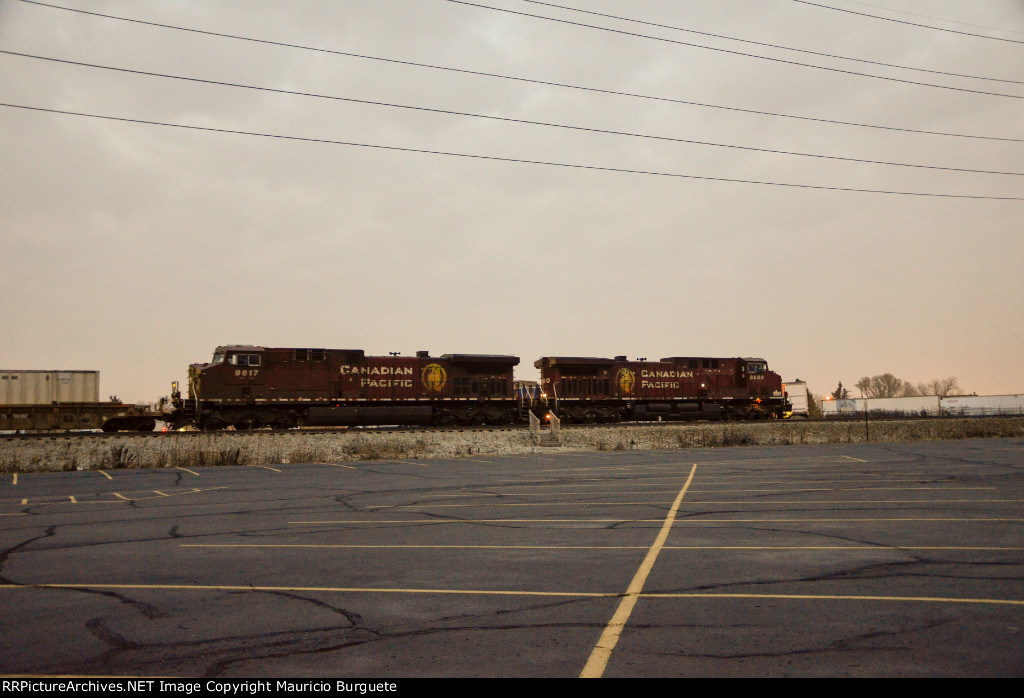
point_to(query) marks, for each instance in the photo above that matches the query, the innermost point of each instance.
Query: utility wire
(496, 158)
(912, 24)
(760, 43)
(729, 51)
(508, 119)
(546, 83)
(940, 19)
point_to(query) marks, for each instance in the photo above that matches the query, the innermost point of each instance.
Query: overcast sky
(135, 249)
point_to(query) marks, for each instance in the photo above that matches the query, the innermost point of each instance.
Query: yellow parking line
(187, 471)
(104, 474)
(414, 547)
(434, 522)
(350, 590)
(603, 547)
(795, 490)
(460, 521)
(428, 505)
(839, 547)
(194, 490)
(15, 479)
(506, 592)
(72, 498)
(265, 467)
(840, 597)
(736, 502)
(602, 652)
(843, 520)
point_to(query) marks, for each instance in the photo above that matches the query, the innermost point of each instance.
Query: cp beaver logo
(434, 377)
(627, 381)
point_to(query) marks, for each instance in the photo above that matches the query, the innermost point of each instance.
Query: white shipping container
(922, 404)
(911, 406)
(796, 392)
(983, 404)
(833, 406)
(48, 387)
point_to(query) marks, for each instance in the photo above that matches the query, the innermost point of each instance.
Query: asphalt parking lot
(902, 559)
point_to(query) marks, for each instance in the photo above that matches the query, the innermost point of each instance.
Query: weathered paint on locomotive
(249, 385)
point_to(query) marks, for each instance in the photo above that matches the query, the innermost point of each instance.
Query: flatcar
(34, 400)
(592, 389)
(249, 387)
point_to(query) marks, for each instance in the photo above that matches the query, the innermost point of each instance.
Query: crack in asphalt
(147, 609)
(841, 644)
(5, 554)
(870, 571)
(352, 617)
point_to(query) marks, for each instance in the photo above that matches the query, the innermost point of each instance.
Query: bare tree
(941, 387)
(885, 385)
(888, 385)
(862, 385)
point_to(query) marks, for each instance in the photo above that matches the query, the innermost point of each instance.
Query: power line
(767, 45)
(729, 51)
(941, 19)
(506, 119)
(912, 24)
(546, 83)
(496, 158)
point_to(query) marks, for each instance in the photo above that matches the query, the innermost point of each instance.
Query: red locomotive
(602, 390)
(251, 387)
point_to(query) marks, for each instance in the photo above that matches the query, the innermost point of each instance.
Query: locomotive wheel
(212, 424)
(445, 419)
(506, 419)
(248, 423)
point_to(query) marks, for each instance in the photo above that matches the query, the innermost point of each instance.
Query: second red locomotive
(602, 390)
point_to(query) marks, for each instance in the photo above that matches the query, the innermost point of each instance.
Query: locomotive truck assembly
(249, 387)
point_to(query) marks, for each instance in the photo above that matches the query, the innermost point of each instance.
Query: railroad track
(319, 430)
(28, 436)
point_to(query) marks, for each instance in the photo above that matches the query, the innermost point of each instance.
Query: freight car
(249, 387)
(590, 389)
(64, 400)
